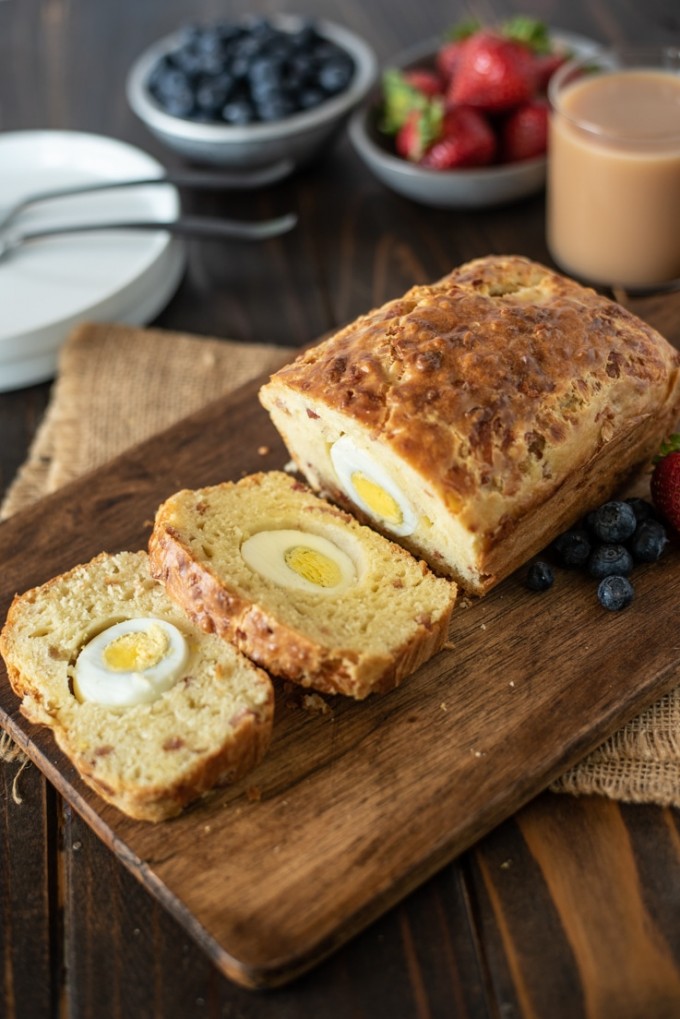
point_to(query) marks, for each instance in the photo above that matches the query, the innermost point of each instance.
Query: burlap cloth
(118, 385)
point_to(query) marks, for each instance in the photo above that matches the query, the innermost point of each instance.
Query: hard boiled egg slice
(371, 488)
(297, 559)
(132, 662)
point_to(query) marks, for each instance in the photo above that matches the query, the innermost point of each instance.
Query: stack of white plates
(49, 286)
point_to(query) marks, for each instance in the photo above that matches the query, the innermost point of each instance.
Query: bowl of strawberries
(462, 122)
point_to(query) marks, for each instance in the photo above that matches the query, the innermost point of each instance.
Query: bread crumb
(253, 794)
(316, 705)
(290, 467)
(444, 706)
(482, 626)
(263, 450)
(464, 603)
(448, 645)
(506, 865)
(512, 683)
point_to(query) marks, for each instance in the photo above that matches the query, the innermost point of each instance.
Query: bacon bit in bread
(173, 743)
(103, 751)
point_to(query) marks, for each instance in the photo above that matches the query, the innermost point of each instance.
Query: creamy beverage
(613, 212)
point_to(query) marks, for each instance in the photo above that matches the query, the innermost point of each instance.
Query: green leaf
(463, 30)
(671, 445)
(399, 100)
(530, 31)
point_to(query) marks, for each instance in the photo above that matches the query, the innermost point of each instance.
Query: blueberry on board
(615, 593)
(649, 541)
(613, 522)
(572, 548)
(610, 560)
(642, 509)
(540, 576)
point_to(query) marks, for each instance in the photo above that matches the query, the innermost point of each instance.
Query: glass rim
(664, 58)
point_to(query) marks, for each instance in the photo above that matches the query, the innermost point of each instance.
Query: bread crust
(492, 391)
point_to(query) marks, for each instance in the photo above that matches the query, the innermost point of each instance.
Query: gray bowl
(474, 188)
(296, 139)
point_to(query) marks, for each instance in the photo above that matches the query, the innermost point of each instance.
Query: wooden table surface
(570, 908)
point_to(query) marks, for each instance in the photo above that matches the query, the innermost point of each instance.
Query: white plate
(48, 287)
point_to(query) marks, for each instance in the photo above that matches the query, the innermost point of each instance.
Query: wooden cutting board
(354, 807)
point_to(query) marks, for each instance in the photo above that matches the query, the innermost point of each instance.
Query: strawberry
(447, 58)
(401, 98)
(524, 133)
(493, 74)
(545, 65)
(466, 140)
(449, 52)
(419, 130)
(665, 483)
(425, 81)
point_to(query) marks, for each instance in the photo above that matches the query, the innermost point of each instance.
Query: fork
(186, 226)
(234, 180)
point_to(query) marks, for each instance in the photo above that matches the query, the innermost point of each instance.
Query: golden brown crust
(495, 385)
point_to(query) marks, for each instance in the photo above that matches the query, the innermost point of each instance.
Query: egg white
(94, 681)
(265, 553)
(347, 458)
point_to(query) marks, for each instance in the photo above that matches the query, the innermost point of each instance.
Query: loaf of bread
(152, 718)
(298, 585)
(474, 419)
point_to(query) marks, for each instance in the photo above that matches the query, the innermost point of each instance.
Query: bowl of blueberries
(249, 93)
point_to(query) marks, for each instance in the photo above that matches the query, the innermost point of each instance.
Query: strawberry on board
(493, 73)
(524, 134)
(466, 140)
(665, 483)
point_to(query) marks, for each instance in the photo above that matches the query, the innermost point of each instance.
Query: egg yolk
(377, 499)
(313, 566)
(137, 651)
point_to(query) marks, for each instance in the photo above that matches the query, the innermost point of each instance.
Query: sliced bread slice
(299, 585)
(152, 717)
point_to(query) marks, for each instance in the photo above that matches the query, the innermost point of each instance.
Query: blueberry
(572, 548)
(239, 112)
(642, 509)
(335, 75)
(212, 96)
(608, 560)
(540, 576)
(275, 106)
(613, 522)
(241, 73)
(310, 97)
(615, 593)
(649, 541)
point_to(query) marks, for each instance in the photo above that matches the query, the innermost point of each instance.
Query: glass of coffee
(613, 193)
